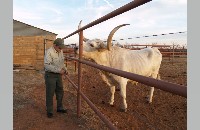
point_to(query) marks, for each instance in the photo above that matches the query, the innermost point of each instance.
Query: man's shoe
(62, 110)
(49, 115)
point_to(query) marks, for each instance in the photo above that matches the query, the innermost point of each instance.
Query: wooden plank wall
(29, 50)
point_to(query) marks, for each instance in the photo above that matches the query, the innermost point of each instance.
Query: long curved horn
(79, 26)
(109, 44)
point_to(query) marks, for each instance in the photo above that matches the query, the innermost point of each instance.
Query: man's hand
(66, 73)
(62, 71)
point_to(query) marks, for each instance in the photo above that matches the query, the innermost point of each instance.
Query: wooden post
(173, 55)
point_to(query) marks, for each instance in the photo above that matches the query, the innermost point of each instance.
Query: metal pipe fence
(170, 87)
(101, 116)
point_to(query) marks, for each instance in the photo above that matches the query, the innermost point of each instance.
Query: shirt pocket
(63, 59)
(55, 60)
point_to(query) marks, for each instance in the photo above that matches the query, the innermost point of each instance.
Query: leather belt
(52, 73)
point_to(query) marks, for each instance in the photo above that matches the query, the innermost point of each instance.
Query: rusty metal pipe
(160, 84)
(94, 108)
(112, 14)
(79, 74)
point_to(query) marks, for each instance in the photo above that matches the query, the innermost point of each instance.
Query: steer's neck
(99, 57)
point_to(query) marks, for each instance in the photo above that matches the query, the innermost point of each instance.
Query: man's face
(57, 48)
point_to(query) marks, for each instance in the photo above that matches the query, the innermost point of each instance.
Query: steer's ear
(102, 47)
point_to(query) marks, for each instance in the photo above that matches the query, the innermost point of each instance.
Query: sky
(63, 16)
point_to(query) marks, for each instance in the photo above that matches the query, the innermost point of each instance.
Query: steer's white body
(144, 62)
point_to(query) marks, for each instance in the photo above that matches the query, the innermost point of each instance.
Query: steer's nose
(75, 49)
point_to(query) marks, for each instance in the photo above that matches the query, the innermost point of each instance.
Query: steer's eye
(91, 45)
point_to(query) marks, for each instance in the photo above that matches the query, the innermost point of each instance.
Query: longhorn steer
(144, 62)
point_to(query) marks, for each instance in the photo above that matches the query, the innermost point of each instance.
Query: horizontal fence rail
(160, 84)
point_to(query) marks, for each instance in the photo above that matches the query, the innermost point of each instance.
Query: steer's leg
(112, 90)
(152, 88)
(151, 94)
(123, 84)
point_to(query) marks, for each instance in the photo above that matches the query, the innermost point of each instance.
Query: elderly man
(54, 70)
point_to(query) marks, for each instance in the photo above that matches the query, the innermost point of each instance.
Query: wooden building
(28, 45)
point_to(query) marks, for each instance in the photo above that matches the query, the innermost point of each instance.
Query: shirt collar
(55, 50)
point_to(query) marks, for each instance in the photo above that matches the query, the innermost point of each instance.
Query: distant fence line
(154, 35)
(176, 41)
(169, 51)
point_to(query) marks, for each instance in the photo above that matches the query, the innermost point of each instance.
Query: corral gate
(166, 86)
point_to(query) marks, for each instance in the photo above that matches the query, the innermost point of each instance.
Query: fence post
(75, 62)
(173, 55)
(79, 74)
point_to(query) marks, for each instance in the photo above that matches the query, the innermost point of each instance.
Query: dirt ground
(166, 112)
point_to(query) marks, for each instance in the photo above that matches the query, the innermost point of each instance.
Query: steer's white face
(93, 45)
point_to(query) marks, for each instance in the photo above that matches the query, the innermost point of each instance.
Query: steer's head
(97, 44)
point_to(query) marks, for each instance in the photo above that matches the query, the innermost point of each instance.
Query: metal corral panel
(22, 29)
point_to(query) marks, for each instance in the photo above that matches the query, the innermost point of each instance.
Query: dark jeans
(53, 83)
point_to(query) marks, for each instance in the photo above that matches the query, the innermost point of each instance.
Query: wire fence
(179, 39)
(172, 45)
